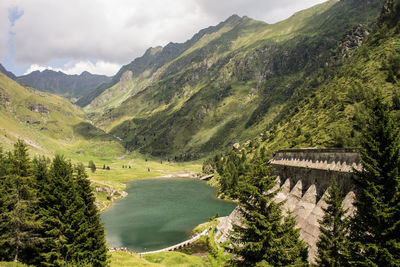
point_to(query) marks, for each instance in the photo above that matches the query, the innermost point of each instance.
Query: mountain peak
(233, 19)
(85, 73)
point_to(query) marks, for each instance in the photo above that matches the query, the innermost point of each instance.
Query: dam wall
(317, 167)
(304, 175)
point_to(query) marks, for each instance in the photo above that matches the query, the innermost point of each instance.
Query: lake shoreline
(123, 193)
(189, 193)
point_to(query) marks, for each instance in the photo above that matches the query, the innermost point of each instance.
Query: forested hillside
(229, 83)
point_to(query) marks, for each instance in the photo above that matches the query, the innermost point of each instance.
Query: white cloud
(4, 28)
(100, 67)
(121, 30)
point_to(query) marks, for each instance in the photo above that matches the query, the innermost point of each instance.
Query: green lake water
(159, 213)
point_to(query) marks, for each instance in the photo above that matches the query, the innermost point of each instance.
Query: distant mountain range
(59, 83)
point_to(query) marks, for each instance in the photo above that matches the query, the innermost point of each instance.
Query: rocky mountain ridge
(70, 86)
(228, 83)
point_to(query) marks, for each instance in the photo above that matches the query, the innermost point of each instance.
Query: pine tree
(93, 243)
(62, 211)
(4, 248)
(376, 224)
(92, 166)
(264, 236)
(333, 242)
(18, 220)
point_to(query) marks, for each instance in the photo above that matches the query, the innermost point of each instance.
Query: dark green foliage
(47, 213)
(18, 200)
(92, 243)
(231, 170)
(376, 224)
(333, 241)
(265, 236)
(92, 166)
(62, 212)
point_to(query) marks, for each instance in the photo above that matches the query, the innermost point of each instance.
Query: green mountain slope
(48, 123)
(328, 115)
(228, 85)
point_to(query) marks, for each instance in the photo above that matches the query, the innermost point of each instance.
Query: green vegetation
(92, 166)
(12, 264)
(303, 82)
(333, 243)
(174, 259)
(50, 124)
(184, 99)
(157, 259)
(48, 214)
(18, 220)
(375, 226)
(264, 235)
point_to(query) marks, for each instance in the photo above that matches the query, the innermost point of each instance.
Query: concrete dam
(304, 176)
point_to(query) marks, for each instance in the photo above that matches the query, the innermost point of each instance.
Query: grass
(122, 259)
(174, 259)
(12, 264)
(170, 259)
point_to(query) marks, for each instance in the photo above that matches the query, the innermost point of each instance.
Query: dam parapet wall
(317, 167)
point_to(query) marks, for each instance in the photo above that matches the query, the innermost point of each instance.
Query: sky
(100, 36)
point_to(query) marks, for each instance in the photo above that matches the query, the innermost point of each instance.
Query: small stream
(159, 213)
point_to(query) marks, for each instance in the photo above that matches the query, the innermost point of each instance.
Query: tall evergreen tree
(376, 224)
(18, 220)
(62, 212)
(333, 242)
(4, 249)
(93, 242)
(264, 236)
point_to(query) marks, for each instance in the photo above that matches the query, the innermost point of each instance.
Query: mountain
(228, 83)
(329, 112)
(59, 83)
(7, 73)
(152, 60)
(49, 123)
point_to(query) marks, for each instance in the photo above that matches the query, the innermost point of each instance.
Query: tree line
(47, 212)
(369, 237)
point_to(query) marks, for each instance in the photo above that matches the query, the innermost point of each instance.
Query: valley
(228, 103)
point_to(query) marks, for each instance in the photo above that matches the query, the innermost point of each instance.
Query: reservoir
(158, 213)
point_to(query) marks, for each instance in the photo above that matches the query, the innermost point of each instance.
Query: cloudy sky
(101, 35)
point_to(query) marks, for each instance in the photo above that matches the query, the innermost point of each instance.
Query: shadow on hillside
(89, 132)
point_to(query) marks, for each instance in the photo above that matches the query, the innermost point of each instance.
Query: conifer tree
(62, 212)
(93, 242)
(4, 249)
(333, 242)
(264, 236)
(18, 220)
(376, 224)
(92, 166)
